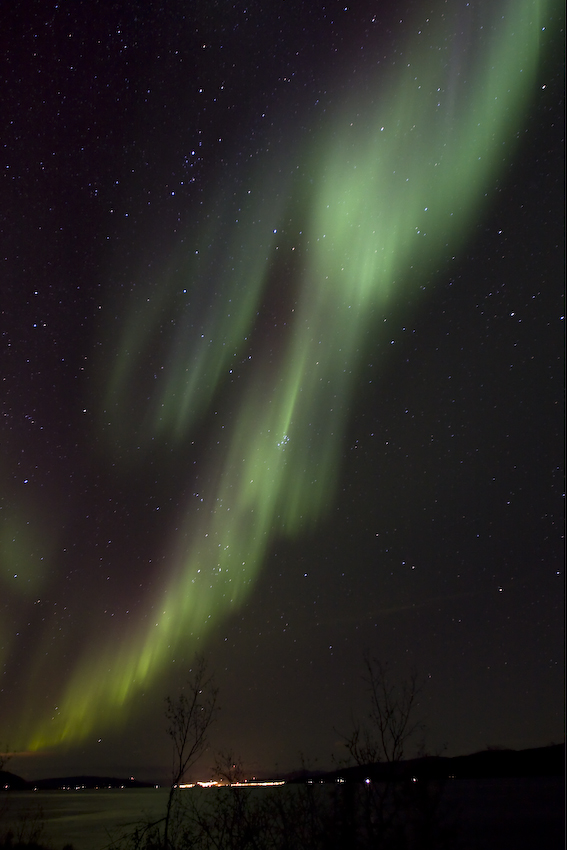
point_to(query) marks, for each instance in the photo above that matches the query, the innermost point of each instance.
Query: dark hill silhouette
(9, 781)
(488, 764)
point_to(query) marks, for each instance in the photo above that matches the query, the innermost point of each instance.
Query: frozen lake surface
(89, 820)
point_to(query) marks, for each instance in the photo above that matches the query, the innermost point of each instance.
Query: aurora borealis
(189, 411)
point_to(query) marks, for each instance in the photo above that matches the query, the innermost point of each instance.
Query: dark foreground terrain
(492, 800)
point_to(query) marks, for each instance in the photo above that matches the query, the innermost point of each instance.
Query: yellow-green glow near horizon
(397, 178)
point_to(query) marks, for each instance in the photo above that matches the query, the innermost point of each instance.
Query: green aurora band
(398, 180)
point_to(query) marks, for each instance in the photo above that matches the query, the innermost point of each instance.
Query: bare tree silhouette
(189, 718)
(392, 723)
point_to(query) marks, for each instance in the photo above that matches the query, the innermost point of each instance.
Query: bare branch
(189, 718)
(391, 722)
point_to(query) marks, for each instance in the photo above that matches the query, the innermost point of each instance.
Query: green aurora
(398, 178)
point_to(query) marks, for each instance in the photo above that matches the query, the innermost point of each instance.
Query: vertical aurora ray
(397, 179)
(196, 321)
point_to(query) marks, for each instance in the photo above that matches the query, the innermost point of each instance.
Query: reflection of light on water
(252, 783)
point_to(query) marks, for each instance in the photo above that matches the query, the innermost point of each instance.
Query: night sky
(282, 373)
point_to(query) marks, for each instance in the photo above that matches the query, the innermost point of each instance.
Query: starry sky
(282, 373)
